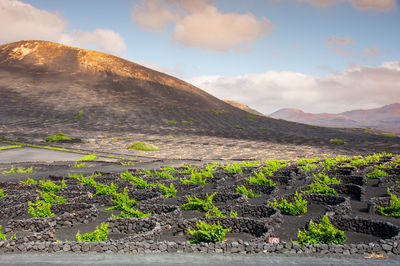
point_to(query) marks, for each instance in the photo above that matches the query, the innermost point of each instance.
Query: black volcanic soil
(221, 183)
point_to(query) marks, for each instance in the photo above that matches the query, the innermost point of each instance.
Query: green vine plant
(298, 208)
(376, 174)
(2, 195)
(51, 198)
(102, 189)
(131, 213)
(326, 179)
(40, 209)
(233, 214)
(168, 192)
(95, 236)
(208, 232)
(122, 201)
(393, 210)
(29, 181)
(214, 212)
(79, 165)
(197, 204)
(4, 237)
(195, 178)
(49, 186)
(234, 168)
(165, 175)
(260, 180)
(244, 191)
(318, 188)
(19, 171)
(324, 233)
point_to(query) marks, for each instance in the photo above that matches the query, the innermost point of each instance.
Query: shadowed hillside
(48, 86)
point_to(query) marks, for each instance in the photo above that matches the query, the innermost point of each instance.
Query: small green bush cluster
(214, 212)
(95, 236)
(29, 181)
(87, 180)
(197, 204)
(323, 233)
(337, 141)
(140, 183)
(122, 201)
(143, 146)
(299, 207)
(40, 209)
(318, 188)
(79, 165)
(393, 210)
(234, 168)
(260, 180)
(51, 198)
(208, 232)
(195, 178)
(170, 169)
(57, 137)
(2, 193)
(168, 192)
(20, 171)
(326, 179)
(308, 167)
(164, 175)
(243, 190)
(377, 173)
(102, 189)
(272, 166)
(49, 186)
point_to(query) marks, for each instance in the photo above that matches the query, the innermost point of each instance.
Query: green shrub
(234, 168)
(299, 207)
(168, 192)
(243, 190)
(140, 183)
(308, 167)
(131, 213)
(305, 161)
(171, 122)
(250, 164)
(318, 188)
(122, 201)
(238, 127)
(57, 137)
(11, 171)
(195, 178)
(323, 233)
(95, 236)
(377, 173)
(29, 181)
(393, 210)
(102, 189)
(51, 198)
(208, 233)
(40, 209)
(89, 157)
(143, 146)
(263, 128)
(49, 186)
(79, 165)
(260, 180)
(2, 235)
(336, 141)
(2, 195)
(327, 180)
(169, 169)
(79, 114)
(163, 174)
(233, 214)
(87, 180)
(197, 204)
(214, 212)
(273, 166)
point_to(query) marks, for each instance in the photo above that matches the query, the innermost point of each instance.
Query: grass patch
(143, 146)
(238, 127)
(57, 137)
(171, 122)
(337, 141)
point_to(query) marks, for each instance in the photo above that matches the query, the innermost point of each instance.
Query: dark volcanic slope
(46, 85)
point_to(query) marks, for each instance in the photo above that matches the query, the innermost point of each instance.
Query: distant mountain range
(385, 118)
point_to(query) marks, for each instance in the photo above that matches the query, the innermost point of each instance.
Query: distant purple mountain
(386, 118)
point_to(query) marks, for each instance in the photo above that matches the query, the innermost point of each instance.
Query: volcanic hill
(50, 87)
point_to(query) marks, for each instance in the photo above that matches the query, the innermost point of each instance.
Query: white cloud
(356, 87)
(198, 23)
(340, 45)
(21, 21)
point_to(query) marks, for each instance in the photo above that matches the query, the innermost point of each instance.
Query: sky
(314, 55)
